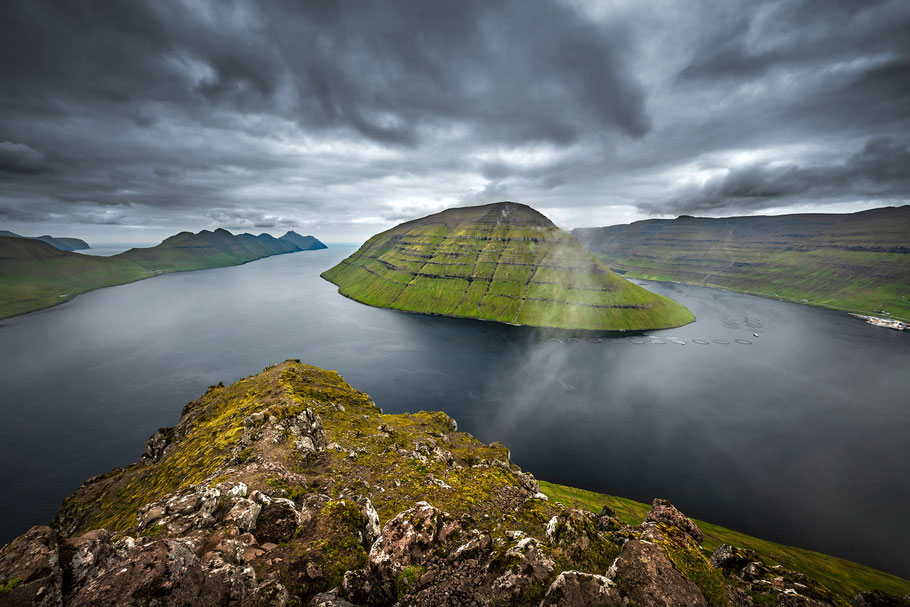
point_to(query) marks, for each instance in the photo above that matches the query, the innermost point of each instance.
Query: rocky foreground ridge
(291, 488)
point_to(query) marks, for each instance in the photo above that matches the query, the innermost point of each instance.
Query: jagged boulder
(278, 518)
(163, 573)
(369, 520)
(30, 569)
(733, 559)
(580, 589)
(529, 564)
(664, 512)
(329, 599)
(406, 541)
(577, 534)
(645, 574)
(270, 593)
(86, 556)
(178, 513)
(156, 445)
(877, 598)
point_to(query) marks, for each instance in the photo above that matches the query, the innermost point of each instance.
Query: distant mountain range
(35, 274)
(504, 262)
(857, 261)
(306, 243)
(64, 244)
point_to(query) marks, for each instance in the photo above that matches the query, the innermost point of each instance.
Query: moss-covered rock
(291, 485)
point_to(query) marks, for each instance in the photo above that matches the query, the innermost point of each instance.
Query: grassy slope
(503, 262)
(35, 275)
(841, 576)
(857, 262)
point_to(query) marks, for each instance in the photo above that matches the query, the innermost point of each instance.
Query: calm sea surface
(800, 435)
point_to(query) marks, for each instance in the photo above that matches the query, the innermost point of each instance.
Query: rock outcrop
(291, 488)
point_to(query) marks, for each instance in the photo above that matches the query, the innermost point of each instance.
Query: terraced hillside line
(503, 262)
(857, 262)
(524, 296)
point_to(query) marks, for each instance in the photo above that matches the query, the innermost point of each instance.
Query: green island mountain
(503, 262)
(36, 275)
(306, 243)
(64, 244)
(857, 262)
(292, 488)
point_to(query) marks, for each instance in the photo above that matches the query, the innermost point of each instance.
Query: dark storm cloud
(19, 158)
(345, 115)
(384, 70)
(879, 170)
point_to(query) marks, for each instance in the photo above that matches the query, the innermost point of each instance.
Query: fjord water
(798, 435)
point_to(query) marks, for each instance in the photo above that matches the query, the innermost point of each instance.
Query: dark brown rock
(160, 574)
(877, 598)
(405, 540)
(647, 577)
(277, 521)
(86, 556)
(579, 589)
(531, 565)
(30, 568)
(733, 559)
(357, 585)
(663, 511)
(329, 599)
(268, 594)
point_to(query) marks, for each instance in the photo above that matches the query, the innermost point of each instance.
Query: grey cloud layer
(347, 116)
(880, 171)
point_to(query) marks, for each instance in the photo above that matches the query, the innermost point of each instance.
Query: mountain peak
(305, 243)
(504, 262)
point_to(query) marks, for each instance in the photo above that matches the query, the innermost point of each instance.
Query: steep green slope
(858, 261)
(188, 251)
(504, 262)
(35, 275)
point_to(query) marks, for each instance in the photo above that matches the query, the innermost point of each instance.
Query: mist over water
(797, 435)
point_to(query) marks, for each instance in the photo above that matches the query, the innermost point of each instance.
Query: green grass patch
(839, 575)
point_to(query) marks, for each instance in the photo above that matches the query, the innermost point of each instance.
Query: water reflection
(798, 435)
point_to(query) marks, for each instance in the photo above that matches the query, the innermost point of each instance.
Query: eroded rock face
(731, 558)
(530, 565)
(406, 540)
(877, 598)
(192, 508)
(579, 589)
(663, 511)
(645, 574)
(30, 569)
(277, 520)
(92, 550)
(161, 574)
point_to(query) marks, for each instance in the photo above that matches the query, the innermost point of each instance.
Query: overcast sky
(129, 121)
